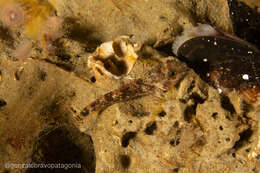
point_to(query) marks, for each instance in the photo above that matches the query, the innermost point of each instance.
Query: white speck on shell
(205, 60)
(245, 77)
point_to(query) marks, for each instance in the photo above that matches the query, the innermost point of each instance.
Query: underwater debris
(162, 78)
(223, 60)
(36, 18)
(114, 58)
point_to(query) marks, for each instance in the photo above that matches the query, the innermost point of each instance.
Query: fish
(159, 80)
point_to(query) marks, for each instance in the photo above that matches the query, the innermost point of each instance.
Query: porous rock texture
(191, 128)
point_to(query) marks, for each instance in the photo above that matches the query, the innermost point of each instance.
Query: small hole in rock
(162, 113)
(214, 115)
(175, 170)
(116, 122)
(189, 112)
(220, 128)
(93, 79)
(227, 139)
(176, 124)
(247, 150)
(150, 128)
(244, 137)
(125, 161)
(172, 142)
(200, 142)
(178, 141)
(234, 155)
(163, 18)
(228, 117)
(2, 103)
(127, 137)
(130, 121)
(227, 105)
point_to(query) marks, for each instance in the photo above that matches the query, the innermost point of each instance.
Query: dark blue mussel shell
(229, 58)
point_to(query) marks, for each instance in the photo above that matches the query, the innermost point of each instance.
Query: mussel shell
(228, 58)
